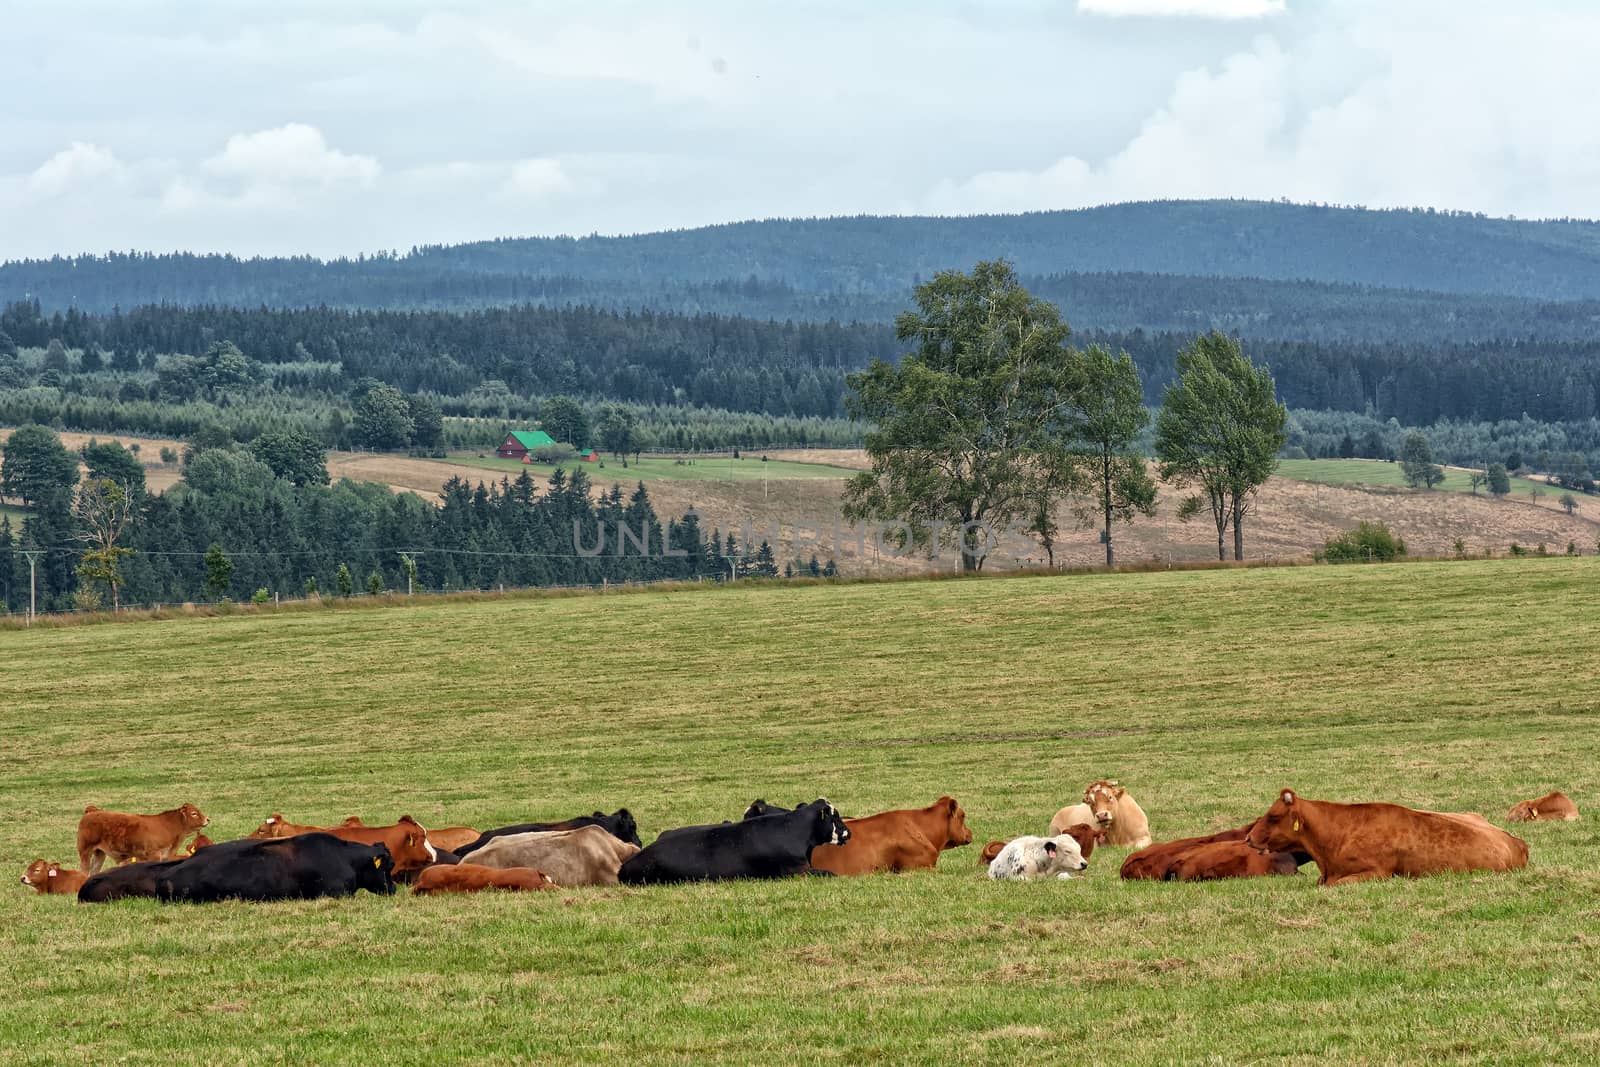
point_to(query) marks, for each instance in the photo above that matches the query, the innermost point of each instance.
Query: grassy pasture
(1451, 685)
(664, 468)
(1378, 472)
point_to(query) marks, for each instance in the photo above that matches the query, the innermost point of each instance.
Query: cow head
(200, 841)
(375, 871)
(1064, 853)
(351, 821)
(413, 849)
(957, 832)
(192, 817)
(1087, 837)
(1523, 812)
(622, 826)
(1102, 797)
(1280, 829)
(760, 807)
(827, 828)
(37, 875)
(271, 828)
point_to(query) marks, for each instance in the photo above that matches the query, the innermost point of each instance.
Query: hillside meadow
(1457, 686)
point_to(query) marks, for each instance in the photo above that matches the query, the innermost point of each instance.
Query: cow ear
(949, 803)
(1288, 796)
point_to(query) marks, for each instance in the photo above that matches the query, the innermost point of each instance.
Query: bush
(261, 596)
(1518, 550)
(1369, 541)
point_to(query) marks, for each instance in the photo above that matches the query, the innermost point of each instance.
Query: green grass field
(1449, 685)
(12, 512)
(657, 468)
(1377, 472)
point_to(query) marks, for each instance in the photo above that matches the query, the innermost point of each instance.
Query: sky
(323, 128)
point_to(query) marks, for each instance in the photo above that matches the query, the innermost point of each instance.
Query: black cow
(760, 807)
(139, 879)
(618, 824)
(286, 868)
(442, 857)
(768, 846)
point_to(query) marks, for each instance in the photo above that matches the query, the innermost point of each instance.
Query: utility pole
(33, 566)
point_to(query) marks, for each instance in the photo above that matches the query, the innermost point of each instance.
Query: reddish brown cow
(1085, 835)
(48, 877)
(1358, 842)
(1156, 861)
(472, 877)
(1554, 807)
(120, 837)
(276, 826)
(906, 840)
(453, 837)
(1229, 859)
(406, 839)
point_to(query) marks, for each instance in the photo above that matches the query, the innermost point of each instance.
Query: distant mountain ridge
(864, 267)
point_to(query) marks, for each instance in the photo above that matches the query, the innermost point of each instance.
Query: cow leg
(917, 856)
(91, 860)
(1367, 875)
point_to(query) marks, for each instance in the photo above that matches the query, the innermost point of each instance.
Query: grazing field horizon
(1450, 686)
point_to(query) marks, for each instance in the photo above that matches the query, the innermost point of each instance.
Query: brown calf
(1358, 842)
(50, 878)
(119, 836)
(1156, 861)
(1229, 859)
(276, 826)
(472, 877)
(453, 837)
(1555, 807)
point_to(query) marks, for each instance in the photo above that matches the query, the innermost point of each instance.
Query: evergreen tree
(218, 569)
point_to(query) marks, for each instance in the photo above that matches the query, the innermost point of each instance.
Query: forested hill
(863, 268)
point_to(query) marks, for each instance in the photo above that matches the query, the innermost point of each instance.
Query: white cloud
(538, 178)
(291, 154)
(73, 166)
(1210, 9)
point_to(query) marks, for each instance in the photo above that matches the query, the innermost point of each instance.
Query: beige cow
(585, 856)
(1108, 806)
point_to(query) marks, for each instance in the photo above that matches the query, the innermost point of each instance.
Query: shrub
(1369, 541)
(1461, 549)
(1518, 550)
(1572, 548)
(261, 596)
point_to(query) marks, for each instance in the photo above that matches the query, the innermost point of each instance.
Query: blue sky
(313, 127)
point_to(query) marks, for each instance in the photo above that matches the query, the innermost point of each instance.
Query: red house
(519, 443)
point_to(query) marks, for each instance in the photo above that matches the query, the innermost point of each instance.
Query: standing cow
(120, 836)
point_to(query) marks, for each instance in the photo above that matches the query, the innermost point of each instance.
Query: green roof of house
(532, 439)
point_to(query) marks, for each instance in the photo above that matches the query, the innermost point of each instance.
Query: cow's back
(588, 855)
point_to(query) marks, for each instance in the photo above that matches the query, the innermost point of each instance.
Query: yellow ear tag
(1297, 826)
(410, 840)
(1535, 813)
(377, 861)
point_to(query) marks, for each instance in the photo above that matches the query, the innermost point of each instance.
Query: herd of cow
(283, 860)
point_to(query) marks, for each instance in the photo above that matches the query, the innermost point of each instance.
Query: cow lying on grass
(1108, 806)
(275, 826)
(1085, 835)
(122, 837)
(1038, 857)
(474, 877)
(1229, 859)
(619, 824)
(50, 877)
(769, 846)
(406, 841)
(907, 839)
(1553, 807)
(303, 867)
(1358, 842)
(585, 856)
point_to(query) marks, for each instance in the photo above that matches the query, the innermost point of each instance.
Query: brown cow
(276, 826)
(1229, 859)
(1156, 861)
(1555, 807)
(453, 837)
(1085, 835)
(407, 841)
(472, 877)
(119, 837)
(50, 878)
(1358, 842)
(906, 840)
(588, 855)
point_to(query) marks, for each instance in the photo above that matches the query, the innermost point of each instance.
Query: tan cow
(1108, 806)
(1554, 807)
(1358, 842)
(588, 855)
(453, 837)
(119, 836)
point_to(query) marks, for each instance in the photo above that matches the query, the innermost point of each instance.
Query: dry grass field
(1453, 686)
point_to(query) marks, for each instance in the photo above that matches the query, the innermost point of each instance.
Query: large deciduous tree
(564, 420)
(968, 429)
(37, 468)
(1220, 429)
(294, 456)
(103, 509)
(1416, 462)
(383, 418)
(1109, 416)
